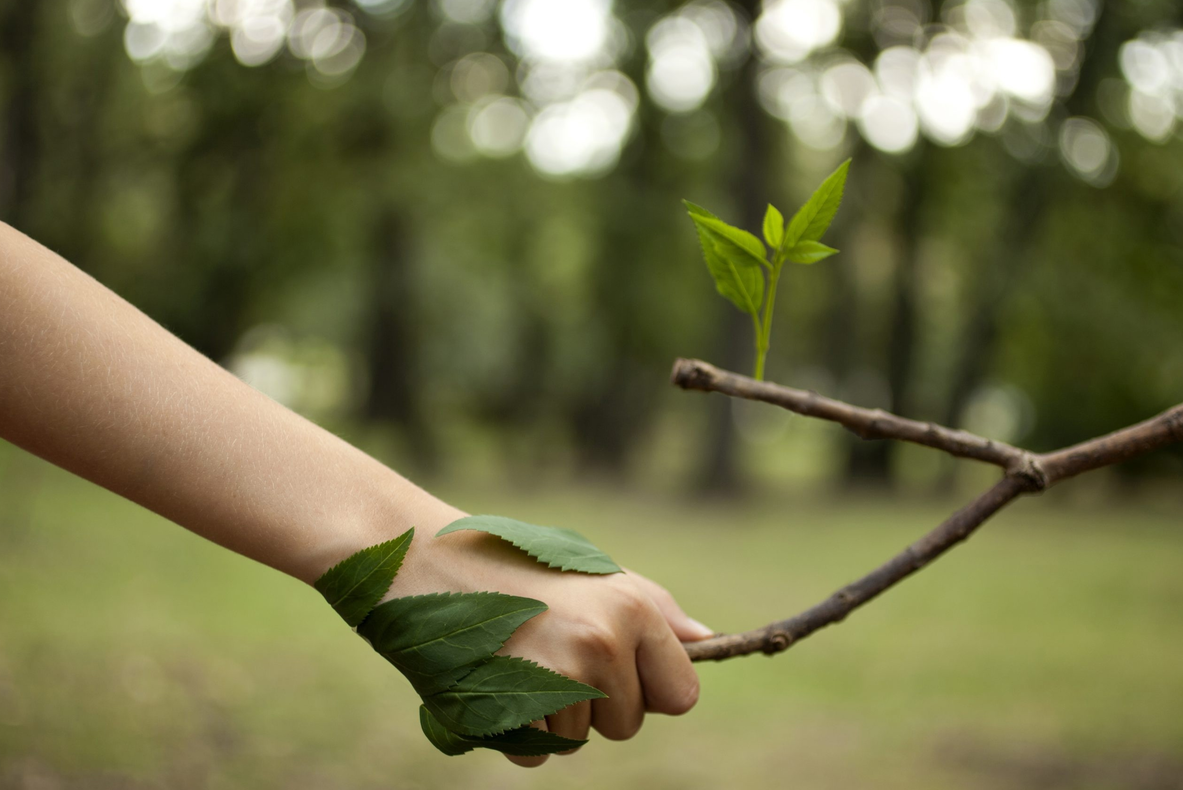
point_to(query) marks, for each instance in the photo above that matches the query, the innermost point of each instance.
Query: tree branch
(1026, 472)
(693, 374)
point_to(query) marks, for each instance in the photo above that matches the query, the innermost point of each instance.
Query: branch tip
(692, 374)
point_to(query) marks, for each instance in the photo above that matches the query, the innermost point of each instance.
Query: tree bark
(870, 465)
(19, 32)
(391, 359)
(719, 475)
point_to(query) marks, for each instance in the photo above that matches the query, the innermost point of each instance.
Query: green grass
(1045, 653)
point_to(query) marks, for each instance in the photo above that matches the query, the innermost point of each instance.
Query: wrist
(387, 508)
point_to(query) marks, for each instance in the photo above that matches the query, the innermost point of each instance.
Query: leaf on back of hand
(809, 252)
(811, 221)
(503, 694)
(734, 259)
(557, 548)
(436, 639)
(355, 585)
(524, 741)
(774, 227)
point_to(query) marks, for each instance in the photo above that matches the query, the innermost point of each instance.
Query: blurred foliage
(338, 219)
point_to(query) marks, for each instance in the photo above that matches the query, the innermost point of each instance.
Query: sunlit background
(543, 77)
(451, 231)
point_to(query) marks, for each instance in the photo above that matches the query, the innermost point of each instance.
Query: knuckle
(598, 640)
(623, 730)
(630, 601)
(686, 700)
(675, 693)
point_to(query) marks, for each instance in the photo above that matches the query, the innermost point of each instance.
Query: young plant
(744, 271)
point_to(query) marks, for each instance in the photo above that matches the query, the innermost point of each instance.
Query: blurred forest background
(459, 221)
(451, 231)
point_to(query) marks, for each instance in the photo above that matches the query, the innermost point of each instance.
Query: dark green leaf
(524, 741)
(809, 252)
(735, 268)
(355, 585)
(815, 216)
(437, 639)
(774, 227)
(503, 694)
(557, 548)
(441, 737)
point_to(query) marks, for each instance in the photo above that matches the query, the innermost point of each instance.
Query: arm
(93, 385)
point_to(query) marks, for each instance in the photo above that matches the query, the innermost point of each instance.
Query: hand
(621, 633)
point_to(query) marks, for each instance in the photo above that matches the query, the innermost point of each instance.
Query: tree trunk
(999, 272)
(869, 464)
(19, 30)
(1009, 255)
(391, 344)
(719, 474)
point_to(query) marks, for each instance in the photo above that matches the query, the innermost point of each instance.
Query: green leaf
(355, 585)
(524, 741)
(697, 210)
(555, 547)
(503, 694)
(735, 269)
(746, 242)
(436, 639)
(811, 221)
(746, 245)
(774, 227)
(809, 252)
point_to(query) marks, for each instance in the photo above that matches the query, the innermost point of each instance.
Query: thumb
(685, 627)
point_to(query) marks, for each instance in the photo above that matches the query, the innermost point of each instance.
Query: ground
(1044, 653)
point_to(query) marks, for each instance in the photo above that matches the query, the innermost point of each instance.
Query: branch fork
(1024, 472)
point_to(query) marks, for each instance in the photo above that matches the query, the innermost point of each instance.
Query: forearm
(91, 384)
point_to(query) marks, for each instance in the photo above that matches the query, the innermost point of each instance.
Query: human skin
(91, 384)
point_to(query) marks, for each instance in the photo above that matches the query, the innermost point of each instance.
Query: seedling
(744, 271)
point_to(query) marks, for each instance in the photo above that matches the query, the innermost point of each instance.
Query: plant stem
(764, 333)
(761, 351)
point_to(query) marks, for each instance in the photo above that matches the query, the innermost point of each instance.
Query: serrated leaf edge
(470, 742)
(595, 694)
(404, 539)
(452, 594)
(843, 168)
(563, 567)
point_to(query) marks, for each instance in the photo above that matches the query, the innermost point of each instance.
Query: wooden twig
(1025, 472)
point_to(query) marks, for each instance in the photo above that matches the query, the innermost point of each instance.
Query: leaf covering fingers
(436, 639)
(523, 742)
(505, 693)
